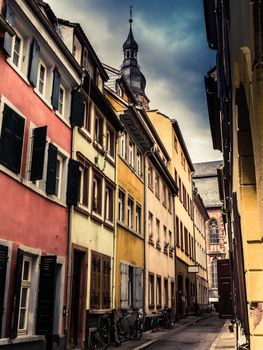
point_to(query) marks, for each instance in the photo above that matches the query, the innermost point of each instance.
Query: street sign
(193, 268)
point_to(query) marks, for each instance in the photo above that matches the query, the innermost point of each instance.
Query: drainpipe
(69, 252)
(175, 260)
(147, 153)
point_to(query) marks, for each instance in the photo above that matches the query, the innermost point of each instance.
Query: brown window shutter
(95, 301)
(106, 272)
(86, 187)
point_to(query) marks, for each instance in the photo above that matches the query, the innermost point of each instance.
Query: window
(157, 185)
(175, 143)
(110, 142)
(157, 227)
(96, 194)
(123, 141)
(165, 233)
(180, 190)
(87, 115)
(98, 129)
(131, 154)
(150, 225)
(24, 295)
(109, 205)
(182, 235)
(166, 295)
(164, 195)
(86, 63)
(121, 206)
(59, 169)
(150, 176)
(41, 79)
(186, 241)
(170, 240)
(159, 291)
(84, 186)
(177, 231)
(175, 176)
(17, 51)
(139, 163)
(130, 212)
(100, 281)
(213, 232)
(61, 100)
(183, 160)
(214, 273)
(11, 139)
(151, 290)
(170, 204)
(138, 218)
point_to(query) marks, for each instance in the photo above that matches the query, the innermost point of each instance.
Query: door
(78, 300)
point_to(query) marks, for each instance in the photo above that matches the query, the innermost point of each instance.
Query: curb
(151, 342)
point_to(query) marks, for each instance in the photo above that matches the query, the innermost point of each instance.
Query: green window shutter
(8, 39)
(3, 264)
(73, 182)
(33, 64)
(55, 88)
(38, 153)
(77, 109)
(51, 169)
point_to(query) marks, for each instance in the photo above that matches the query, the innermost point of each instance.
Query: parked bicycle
(136, 328)
(100, 338)
(162, 318)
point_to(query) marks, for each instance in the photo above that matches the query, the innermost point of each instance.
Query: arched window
(214, 273)
(213, 232)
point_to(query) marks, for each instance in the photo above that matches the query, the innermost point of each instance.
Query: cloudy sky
(173, 55)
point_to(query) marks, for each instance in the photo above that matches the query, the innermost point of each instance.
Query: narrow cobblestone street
(203, 335)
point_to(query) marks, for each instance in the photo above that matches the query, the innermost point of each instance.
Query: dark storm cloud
(173, 54)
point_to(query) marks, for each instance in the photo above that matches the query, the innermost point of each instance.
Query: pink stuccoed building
(37, 175)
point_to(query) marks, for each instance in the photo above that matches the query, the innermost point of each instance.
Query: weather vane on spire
(130, 20)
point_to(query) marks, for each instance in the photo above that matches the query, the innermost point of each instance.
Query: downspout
(69, 251)
(193, 214)
(144, 226)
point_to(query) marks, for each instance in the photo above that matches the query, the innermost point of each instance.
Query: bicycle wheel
(100, 339)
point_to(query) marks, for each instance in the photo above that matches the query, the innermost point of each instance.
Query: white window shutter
(137, 288)
(124, 286)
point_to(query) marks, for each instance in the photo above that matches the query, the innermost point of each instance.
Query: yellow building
(181, 169)
(200, 218)
(132, 146)
(92, 222)
(235, 105)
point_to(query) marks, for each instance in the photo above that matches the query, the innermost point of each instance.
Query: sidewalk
(224, 340)
(149, 337)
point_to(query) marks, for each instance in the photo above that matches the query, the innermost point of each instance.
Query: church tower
(130, 69)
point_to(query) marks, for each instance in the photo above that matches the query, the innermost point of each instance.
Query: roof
(83, 36)
(206, 180)
(182, 143)
(207, 169)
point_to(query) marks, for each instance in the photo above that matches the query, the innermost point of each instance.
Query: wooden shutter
(11, 140)
(95, 293)
(38, 153)
(8, 39)
(106, 274)
(33, 63)
(239, 271)
(124, 286)
(77, 109)
(137, 288)
(73, 182)
(51, 169)
(17, 290)
(224, 289)
(3, 264)
(46, 298)
(55, 88)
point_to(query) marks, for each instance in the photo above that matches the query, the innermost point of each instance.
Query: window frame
(121, 206)
(43, 92)
(158, 291)
(151, 289)
(130, 212)
(20, 56)
(138, 219)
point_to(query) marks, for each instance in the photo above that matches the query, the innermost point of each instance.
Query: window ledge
(64, 120)
(99, 148)
(82, 210)
(110, 159)
(158, 246)
(157, 196)
(151, 242)
(18, 71)
(109, 225)
(43, 98)
(22, 339)
(83, 132)
(130, 230)
(96, 217)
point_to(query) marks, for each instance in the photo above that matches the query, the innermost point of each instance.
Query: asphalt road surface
(199, 336)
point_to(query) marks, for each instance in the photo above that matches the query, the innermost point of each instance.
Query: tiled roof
(206, 180)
